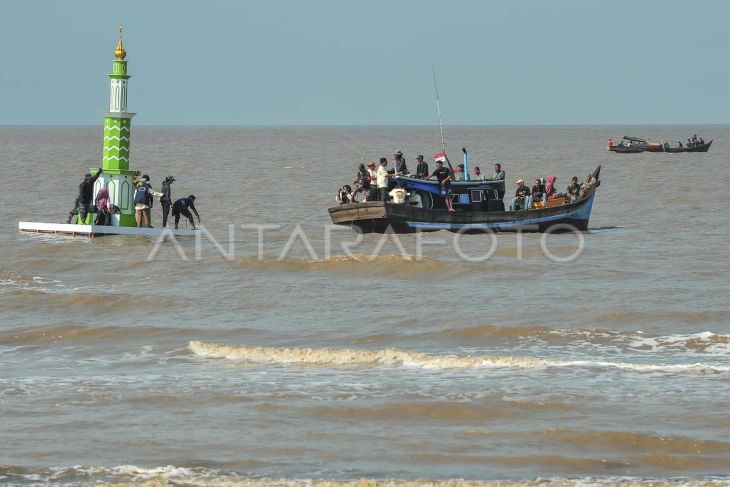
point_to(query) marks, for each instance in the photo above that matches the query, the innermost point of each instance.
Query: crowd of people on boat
(378, 183)
(144, 196)
(694, 142)
(542, 192)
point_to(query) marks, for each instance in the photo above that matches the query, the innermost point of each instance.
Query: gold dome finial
(119, 52)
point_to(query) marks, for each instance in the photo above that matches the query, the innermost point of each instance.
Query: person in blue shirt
(183, 207)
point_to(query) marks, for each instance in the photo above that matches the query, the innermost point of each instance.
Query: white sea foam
(706, 341)
(130, 475)
(328, 357)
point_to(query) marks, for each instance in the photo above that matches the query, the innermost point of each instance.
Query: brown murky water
(415, 364)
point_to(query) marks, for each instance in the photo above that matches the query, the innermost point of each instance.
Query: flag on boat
(439, 157)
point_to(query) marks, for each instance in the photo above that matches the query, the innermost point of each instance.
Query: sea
(276, 349)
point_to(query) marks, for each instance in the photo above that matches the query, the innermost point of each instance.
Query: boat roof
(453, 183)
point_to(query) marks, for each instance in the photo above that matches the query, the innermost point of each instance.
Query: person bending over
(183, 207)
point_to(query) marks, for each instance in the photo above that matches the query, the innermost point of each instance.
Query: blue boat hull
(379, 217)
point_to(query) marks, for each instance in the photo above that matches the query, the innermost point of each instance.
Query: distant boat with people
(635, 145)
(691, 148)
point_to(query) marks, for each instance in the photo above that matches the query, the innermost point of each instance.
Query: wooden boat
(478, 209)
(635, 145)
(626, 149)
(697, 148)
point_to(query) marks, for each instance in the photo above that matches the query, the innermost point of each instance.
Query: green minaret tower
(117, 177)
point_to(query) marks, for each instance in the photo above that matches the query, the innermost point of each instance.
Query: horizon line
(637, 124)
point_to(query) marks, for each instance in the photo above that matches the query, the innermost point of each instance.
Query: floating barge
(75, 230)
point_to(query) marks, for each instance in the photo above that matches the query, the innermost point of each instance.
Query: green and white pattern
(117, 177)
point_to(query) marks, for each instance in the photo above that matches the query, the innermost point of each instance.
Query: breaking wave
(164, 476)
(703, 342)
(330, 357)
(356, 357)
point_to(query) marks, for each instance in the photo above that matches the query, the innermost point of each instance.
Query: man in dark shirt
(537, 193)
(444, 178)
(422, 168)
(183, 207)
(400, 163)
(86, 195)
(166, 198)
(521, 195)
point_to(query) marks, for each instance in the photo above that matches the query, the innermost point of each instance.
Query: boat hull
(622, 149)
(379, 217)
(637, 148)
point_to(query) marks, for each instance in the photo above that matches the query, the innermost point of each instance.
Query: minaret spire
(119, 52)
(117, 176)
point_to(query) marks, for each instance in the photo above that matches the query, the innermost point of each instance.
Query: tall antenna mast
(438, 109)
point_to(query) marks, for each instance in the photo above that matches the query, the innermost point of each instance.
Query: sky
(329, 62)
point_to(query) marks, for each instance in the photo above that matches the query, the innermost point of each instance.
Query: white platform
(92, 230)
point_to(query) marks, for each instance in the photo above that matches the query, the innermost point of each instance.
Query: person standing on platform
(86, 195)
(103, 208)
(166, 199)
(143, 201)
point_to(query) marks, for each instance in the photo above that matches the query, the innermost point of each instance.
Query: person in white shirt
(478, 176)
(382, 178)
(373, 193)
(398, 195)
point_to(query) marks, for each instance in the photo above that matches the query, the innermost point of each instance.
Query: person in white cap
(143, 197)
(521, 196)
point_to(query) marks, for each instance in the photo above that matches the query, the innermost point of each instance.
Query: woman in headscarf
(550, 188)
(103, 207)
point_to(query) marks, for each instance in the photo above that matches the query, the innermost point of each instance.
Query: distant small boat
(697, 148)
(626, 149)
(636, 145)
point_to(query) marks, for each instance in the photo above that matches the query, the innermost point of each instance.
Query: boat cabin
(465, 195)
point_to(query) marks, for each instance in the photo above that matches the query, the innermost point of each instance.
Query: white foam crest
(391, 356)
(706, 341)
(130, 475)
(339, 357)
(668, 368)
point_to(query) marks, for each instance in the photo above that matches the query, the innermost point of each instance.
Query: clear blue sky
(330, 62)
